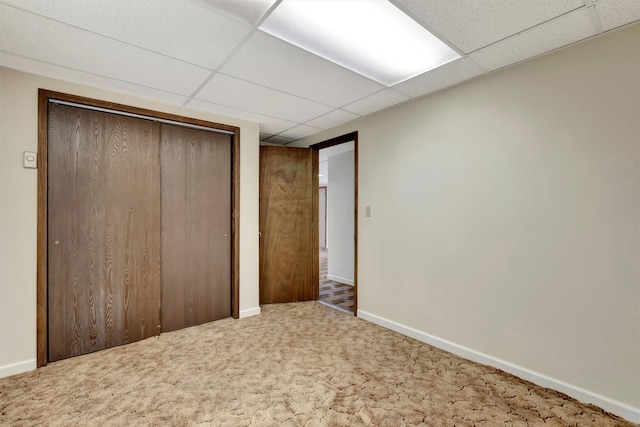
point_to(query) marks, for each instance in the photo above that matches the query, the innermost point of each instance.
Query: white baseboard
(623, 410)
(17, 368)
(249, 312)
(340, 279)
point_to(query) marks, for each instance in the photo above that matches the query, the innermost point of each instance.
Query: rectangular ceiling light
(371, 37)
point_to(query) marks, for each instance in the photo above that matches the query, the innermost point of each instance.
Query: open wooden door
(288, 224)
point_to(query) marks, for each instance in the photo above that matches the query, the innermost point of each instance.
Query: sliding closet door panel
(103, 232)
(196, 226)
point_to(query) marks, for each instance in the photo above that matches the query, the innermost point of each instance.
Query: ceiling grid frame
(173, 68)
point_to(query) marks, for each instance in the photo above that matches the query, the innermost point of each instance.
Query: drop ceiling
(187, 52)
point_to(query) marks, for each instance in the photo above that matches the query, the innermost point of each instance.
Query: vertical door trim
(42, 231)
(42, 204)
(353, 136)
(315, 237)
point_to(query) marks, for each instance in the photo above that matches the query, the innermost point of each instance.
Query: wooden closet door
(103, 231)
(196, 226)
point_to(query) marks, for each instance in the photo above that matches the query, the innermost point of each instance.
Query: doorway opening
(337, 222)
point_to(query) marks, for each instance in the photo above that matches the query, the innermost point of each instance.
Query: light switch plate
(30, 160)
(368, 211)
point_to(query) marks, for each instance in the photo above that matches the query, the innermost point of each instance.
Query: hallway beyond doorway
(335, 294)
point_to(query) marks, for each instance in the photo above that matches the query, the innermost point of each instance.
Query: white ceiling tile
(224, 110)
(248, 96)
(274, 126)
(280, 140)
(615, 13)
(165, 49)
(67, 74)
(332, 119)
(180, 29)
(448, 75)
(378, 101)
(271, 62)
(246, 11)
(270, 125)
(32, 36)
(300, 131)
(560, 32)
(470, 25)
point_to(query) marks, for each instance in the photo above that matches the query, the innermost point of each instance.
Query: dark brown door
(196, 226)
(288, 217)
(103, 231)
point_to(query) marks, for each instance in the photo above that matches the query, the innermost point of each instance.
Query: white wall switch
(30, 160)
(368, 211)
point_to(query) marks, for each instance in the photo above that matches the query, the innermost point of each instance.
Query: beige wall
(18, 197)
(506, 218)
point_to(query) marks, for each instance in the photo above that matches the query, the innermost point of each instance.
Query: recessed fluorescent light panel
(371, 37)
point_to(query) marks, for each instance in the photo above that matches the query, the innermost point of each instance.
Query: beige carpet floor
(301, 364)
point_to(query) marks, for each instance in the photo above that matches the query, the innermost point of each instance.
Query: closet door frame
(44, 96)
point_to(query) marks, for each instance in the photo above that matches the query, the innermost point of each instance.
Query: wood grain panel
(43, 181)
(104, 231)
(287, 243)
(196, 227)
